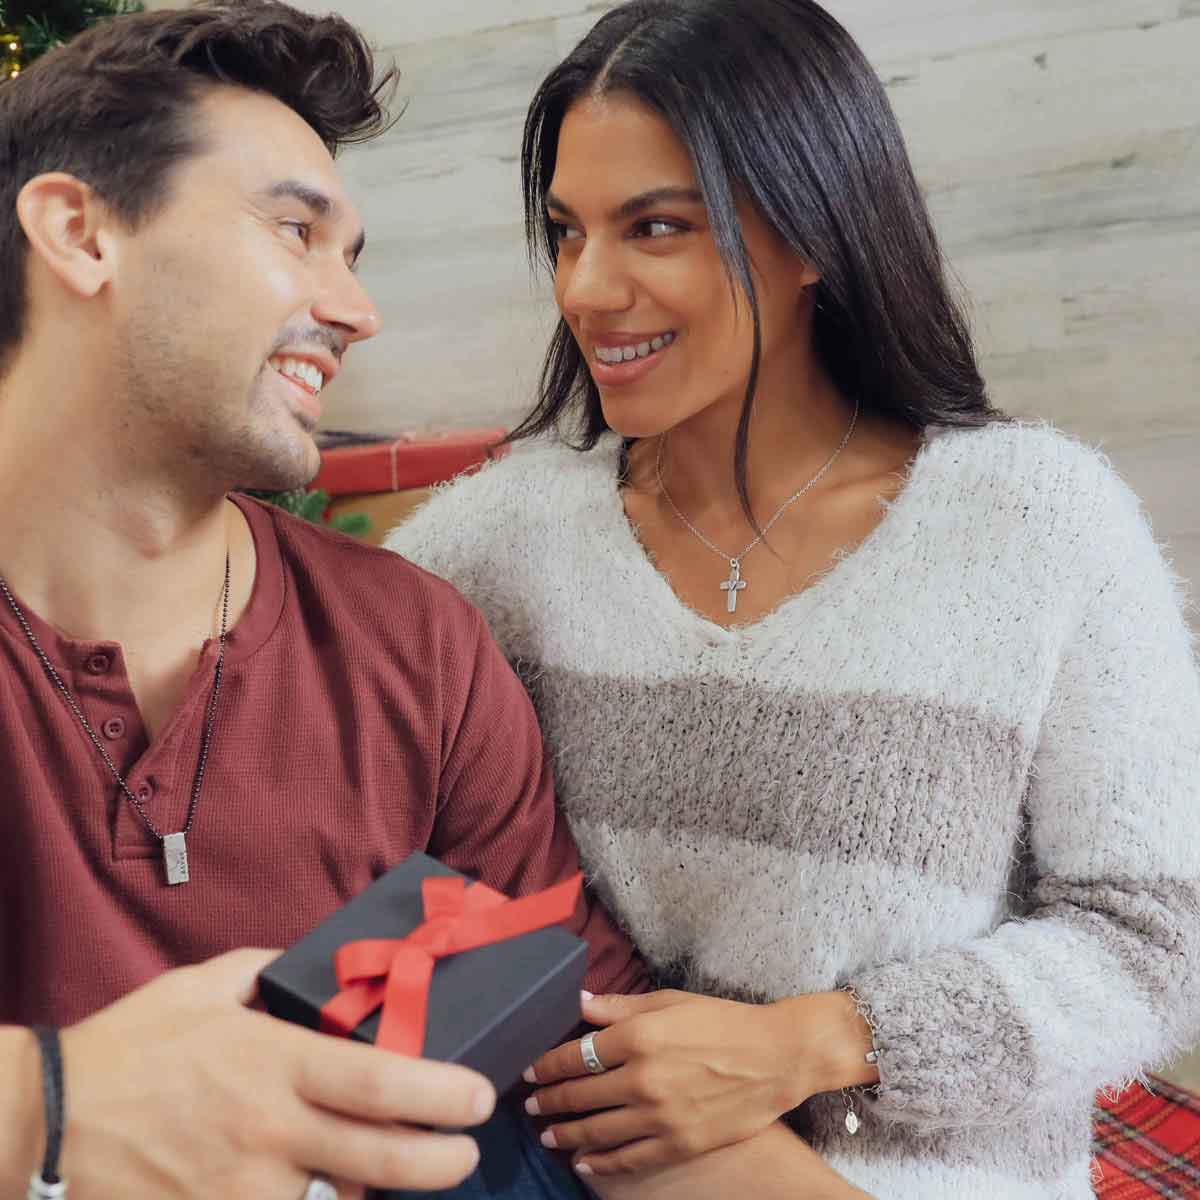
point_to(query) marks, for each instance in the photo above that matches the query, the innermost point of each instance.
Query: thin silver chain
(736, 560)
(73, 705)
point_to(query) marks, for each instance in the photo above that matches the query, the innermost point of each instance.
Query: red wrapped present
(412, 460)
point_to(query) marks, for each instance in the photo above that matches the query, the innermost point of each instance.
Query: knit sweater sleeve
(1100, 977)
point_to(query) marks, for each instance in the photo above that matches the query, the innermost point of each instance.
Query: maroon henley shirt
(365, 713)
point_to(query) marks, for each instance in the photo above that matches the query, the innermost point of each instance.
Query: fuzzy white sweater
(959, 773)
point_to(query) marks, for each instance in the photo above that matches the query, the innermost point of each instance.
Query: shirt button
(98, 664)
(145, 791)
(113, 728)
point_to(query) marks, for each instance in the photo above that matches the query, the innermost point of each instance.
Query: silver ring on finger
(319, 1188)
(591, 1060)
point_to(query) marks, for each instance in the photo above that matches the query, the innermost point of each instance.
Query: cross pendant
(734, 584)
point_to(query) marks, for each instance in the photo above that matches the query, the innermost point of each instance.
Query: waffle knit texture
(958, 773)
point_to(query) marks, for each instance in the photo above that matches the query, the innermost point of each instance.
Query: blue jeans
(513, 1166)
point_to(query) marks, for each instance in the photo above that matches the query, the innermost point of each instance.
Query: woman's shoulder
(1030, 467)
(508, 509)
(531, 476)
(1053, 496)
(1020, 450)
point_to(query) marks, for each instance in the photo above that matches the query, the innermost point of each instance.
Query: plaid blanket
(1147, 1144)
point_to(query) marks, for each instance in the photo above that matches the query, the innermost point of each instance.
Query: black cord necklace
(174, 845)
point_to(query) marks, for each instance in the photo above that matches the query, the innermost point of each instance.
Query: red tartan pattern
(1148, 1144)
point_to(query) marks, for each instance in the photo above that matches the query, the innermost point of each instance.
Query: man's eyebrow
(311, 197)
(639, 203)
(316, 200)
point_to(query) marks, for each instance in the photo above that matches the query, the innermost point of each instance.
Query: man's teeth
(617, 354)
(304, 372)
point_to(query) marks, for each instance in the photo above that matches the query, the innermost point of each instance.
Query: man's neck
(104, 548)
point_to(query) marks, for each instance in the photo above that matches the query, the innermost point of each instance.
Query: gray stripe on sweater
(947, 1022)
(848, 778)
(1151, 928)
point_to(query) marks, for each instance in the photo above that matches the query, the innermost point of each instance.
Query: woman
(874, 714)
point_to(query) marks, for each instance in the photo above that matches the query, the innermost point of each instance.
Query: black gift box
(495, 1009)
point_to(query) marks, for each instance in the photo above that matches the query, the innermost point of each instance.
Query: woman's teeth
(617, 354)
(303, 372)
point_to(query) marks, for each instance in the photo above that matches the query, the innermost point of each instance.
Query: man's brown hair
(115, 106)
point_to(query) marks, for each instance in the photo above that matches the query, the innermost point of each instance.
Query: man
(239, 720)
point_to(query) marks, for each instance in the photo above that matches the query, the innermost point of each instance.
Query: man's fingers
(232, 976)
(377, 1085)
(379, 1156)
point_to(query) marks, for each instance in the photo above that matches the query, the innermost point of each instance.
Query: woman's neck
(792, 435)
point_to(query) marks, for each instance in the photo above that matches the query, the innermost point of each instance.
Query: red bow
(395, 973)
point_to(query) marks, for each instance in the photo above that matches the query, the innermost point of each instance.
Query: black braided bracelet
(49, 1184)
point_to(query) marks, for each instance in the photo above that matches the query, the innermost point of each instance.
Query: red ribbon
(395, 973)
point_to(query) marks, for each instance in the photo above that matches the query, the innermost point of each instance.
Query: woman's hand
(772, 1165)
(688, 1073)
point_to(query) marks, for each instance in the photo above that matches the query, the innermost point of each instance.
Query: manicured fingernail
(485, 1103)
(528, 1075)
(549, 1140)
(583, 1169)
(587, 996)
(532, 1107)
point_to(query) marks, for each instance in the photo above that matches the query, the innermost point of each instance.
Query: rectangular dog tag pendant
(175, 858)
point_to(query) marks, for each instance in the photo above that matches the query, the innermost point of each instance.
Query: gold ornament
(11, 58)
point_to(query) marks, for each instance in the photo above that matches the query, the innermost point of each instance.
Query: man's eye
(564, 233)
(302, 229)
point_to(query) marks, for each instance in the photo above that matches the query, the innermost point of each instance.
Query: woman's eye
(657, 229)
(562, 232)
(302, 229)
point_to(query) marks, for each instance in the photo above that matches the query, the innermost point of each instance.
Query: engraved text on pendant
(175, 858)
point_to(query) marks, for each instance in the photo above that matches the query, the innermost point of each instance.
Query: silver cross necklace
(735, 584)
(174, 845)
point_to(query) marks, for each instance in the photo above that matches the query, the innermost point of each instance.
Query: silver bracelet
(871, 1057)
(864, 1010)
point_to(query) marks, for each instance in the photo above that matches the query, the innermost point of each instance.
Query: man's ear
(66, 224)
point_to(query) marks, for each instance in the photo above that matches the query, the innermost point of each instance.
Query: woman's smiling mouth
(624, 359)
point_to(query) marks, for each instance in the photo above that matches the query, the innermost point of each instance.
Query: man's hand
(179, 1092)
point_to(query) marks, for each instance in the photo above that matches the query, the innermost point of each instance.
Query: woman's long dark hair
(776, 104)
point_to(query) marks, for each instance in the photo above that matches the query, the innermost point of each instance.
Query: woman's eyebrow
(637, 204)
